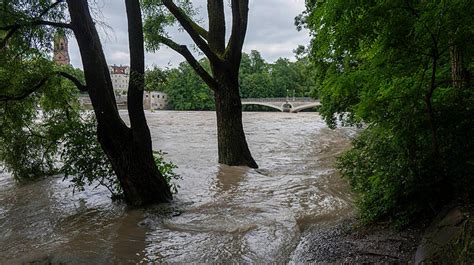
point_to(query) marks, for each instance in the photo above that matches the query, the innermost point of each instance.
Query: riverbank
(448, 238)
(348, 242)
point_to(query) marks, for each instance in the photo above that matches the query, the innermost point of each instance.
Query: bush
(167, 170)
(396, 175)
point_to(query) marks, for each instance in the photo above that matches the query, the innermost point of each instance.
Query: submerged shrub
(167, 170)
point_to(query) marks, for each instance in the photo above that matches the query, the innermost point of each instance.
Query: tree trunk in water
(128, 149)
(133, 163)
(232, 145)
(225, 64)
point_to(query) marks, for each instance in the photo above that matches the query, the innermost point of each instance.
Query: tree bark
(459, 73)
(128, 149)
(232, 144)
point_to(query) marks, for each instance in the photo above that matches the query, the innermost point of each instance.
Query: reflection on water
(222, 213)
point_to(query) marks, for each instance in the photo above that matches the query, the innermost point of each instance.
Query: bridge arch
(293, 105)
(263, 104)
(306, 106)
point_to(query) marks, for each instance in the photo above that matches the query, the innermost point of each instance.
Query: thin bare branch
(184, 51)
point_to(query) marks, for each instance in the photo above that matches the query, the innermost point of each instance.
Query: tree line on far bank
(257, 79)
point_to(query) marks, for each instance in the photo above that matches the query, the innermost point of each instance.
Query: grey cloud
(270, 31)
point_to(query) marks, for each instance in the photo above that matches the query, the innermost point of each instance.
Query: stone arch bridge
(287, 104)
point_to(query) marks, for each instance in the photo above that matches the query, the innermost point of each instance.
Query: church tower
(61, 53)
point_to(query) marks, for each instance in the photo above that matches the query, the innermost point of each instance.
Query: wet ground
(347, 242)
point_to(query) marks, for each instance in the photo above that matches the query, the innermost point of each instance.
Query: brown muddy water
(221, 214)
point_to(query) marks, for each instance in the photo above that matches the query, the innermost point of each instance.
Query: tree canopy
(43, 129)
(402, 69)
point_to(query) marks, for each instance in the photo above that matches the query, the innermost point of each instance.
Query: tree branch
(10, 33)
(415, 13)
(200, 30)
(137, 70)
(26, 93)
(43, 81)
(187, 24)
(184, 51)
(216, 14)
(36, 21)
(12, 29)
(240, 11)
(53, 5)
(74, 80)
(51, 23)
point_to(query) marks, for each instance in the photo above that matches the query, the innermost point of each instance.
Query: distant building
(155, 100)
(61, 49)
(120, 76)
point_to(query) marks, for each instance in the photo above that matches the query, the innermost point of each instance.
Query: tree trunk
(128, 149)
(134, 166)
(232, 145)
(225, 63)
(429, 107)
(459, 73)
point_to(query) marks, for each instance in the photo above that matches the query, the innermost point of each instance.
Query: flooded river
(221, 213)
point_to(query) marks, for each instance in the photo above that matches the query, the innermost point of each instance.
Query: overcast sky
(271, 31)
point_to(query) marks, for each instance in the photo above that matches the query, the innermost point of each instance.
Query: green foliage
(185, 89)
(167, 170)
(155, 79)
(255, 80)
(85, 163)
(31, 129)
(43, 130)
(47, 133)
(258, 79)
(29, 136)
(59, 139)
(159, 19)
(384, 176)
(388, 65)
(83, 160)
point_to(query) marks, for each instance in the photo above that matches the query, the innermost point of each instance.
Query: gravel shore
(349, 243)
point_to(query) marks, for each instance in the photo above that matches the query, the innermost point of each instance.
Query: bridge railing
(289, 99)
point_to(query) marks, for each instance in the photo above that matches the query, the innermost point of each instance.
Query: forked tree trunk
(128, 149)
(134, 166)
(225, 62)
